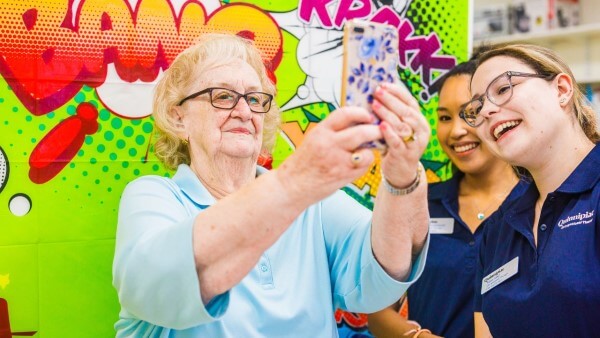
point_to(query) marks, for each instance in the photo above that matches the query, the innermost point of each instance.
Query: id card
(441, 226)
(500, 275)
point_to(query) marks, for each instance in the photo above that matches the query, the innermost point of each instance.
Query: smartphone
(370, 58)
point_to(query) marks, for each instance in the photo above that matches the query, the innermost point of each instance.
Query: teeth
(499, 129)
(466, 147)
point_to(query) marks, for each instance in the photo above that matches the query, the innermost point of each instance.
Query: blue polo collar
(441, 191)
(582, 179)
(585, 176)
(191, 186)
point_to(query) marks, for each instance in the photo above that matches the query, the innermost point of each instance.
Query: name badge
(442, 226)
(500, 275)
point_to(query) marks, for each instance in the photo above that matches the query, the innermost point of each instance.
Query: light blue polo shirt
(552, 289)
(321, 262)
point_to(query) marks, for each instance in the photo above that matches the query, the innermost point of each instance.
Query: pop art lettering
(89, 39)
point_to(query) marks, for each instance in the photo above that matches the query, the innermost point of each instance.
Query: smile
(504, 127)
(464, 147)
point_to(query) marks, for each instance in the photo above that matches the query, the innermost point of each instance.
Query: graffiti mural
(76, 81)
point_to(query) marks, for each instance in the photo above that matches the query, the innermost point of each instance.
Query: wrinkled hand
(324, 162)
(401, 118)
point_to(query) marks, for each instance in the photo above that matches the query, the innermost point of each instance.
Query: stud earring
(562, 100)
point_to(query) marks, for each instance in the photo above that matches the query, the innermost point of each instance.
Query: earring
(562, 100)
(185, 141)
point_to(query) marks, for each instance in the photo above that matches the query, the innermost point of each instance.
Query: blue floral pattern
(376, 61)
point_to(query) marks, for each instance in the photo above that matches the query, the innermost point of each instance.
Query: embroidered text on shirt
(580, 218)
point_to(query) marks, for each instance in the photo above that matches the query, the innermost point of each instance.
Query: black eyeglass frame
(235, 102)
(482, 97)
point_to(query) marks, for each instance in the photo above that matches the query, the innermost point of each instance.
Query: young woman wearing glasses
(539, 268)
(440, 302)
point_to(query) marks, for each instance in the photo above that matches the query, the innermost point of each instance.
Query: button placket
(546, 222)
(265, 272)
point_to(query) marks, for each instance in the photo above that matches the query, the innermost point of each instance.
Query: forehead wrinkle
(235, 84)
(228, 85)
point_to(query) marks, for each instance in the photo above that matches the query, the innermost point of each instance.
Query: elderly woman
(228, 249)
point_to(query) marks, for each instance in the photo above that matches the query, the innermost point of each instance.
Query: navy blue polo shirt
(556, 290)
(441, 300)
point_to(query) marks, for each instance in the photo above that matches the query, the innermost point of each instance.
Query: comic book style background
(75, 93)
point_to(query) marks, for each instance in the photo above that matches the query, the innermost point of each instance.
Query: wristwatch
(403, 191)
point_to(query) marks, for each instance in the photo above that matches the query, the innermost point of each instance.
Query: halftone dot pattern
(116, 123)
(112, 156)
(128, 131)
(447, 18)
(109, 135)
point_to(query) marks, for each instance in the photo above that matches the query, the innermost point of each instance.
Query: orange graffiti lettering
(49, 51)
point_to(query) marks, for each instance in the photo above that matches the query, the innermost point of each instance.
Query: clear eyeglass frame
(499, 92)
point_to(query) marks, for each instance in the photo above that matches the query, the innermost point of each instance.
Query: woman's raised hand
(330, 156)
(405, 131)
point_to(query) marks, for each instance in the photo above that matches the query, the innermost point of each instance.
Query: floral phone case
(370, 58)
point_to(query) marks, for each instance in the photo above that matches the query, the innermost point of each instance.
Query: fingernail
(376, 105)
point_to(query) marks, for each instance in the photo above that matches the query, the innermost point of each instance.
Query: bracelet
(418, 333)
(403, 191)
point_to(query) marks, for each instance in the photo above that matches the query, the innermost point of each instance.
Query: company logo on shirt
(579, 219)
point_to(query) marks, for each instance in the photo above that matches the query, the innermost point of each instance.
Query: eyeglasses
(499, 92)
(224, 98)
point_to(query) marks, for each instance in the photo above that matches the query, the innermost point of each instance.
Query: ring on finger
(409, 138)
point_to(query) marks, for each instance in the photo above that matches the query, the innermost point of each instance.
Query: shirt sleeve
(359, 282)
(154, 268)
